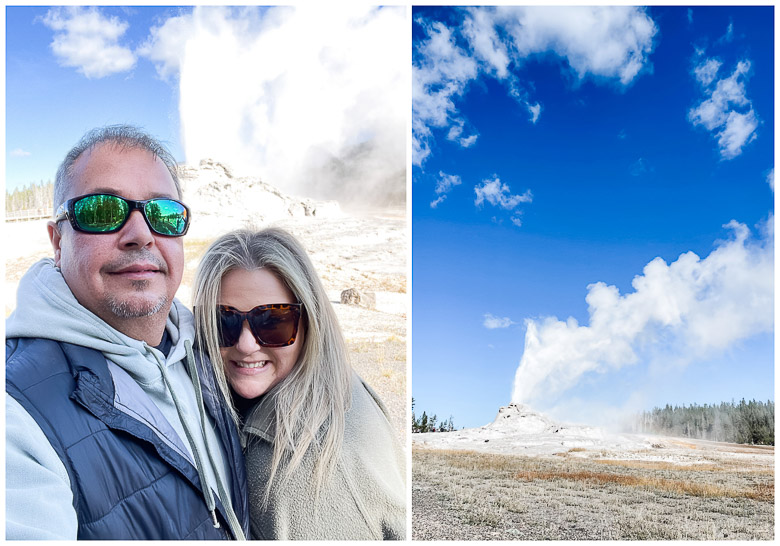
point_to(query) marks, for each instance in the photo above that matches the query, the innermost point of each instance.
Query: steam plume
(692, 308)
(313, 99)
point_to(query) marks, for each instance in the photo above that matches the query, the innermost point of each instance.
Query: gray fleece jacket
(38, 493)
(366, 499)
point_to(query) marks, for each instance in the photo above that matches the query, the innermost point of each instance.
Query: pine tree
(750, 422)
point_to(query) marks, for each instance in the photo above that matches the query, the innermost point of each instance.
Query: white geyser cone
(520, 419)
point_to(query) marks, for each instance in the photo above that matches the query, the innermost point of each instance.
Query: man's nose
(135, 232)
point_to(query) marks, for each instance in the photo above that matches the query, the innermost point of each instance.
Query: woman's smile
(253, 369)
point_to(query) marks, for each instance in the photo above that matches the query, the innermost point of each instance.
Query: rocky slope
(220, 201)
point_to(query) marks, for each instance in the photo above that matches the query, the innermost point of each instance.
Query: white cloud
(438, 201)
(492, 322)
(456, 134)
(468, 141)
(480, 29)
(770, 179)
(739, 130)
(498, 194)
(603, 41)
(312, 98)
(89, 41)
(446, 182)
(608, 43)
(690, 309)
(18, 152)
(421, 137)
(705, 73)
(455, 131)
(690, 16)
(535, 110)
(729, 36)
(516, 220)
(719, 112)
(442, 73)
(167, 43)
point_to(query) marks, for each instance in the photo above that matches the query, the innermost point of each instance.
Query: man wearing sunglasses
(114, 429)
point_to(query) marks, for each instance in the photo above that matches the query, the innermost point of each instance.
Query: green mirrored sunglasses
(107, 213)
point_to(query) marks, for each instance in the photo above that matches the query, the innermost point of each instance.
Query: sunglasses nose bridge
(136, 226)
(247, 342)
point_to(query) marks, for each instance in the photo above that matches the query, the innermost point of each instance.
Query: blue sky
(557, 154)
(50, 102)
(238, 85)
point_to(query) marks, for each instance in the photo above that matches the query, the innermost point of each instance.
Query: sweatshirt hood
(46, 308)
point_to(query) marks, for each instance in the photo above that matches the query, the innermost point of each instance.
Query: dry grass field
(382, 364)
(464, 495)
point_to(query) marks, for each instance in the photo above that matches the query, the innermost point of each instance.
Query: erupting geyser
(689, 310)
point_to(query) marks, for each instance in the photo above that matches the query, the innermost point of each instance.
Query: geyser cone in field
(521, 419)
(221, 201)
(520, 429)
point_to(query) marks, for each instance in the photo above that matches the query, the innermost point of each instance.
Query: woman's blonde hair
(310, 403)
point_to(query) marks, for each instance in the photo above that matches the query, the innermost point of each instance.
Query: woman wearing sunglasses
(322, 460)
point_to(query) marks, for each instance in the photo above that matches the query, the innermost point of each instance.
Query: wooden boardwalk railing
(28, 214)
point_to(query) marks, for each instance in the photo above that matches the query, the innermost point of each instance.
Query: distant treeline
(425, 423)
(31, 196)
(742, 423)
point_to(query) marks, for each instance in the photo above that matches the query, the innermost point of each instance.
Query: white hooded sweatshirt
(39, 501)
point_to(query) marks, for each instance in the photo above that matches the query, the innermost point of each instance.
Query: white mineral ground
(519, 430)
(365, 250)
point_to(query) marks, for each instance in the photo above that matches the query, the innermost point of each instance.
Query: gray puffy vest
(127, 483)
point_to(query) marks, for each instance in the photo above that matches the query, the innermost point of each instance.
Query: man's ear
(55, 237)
